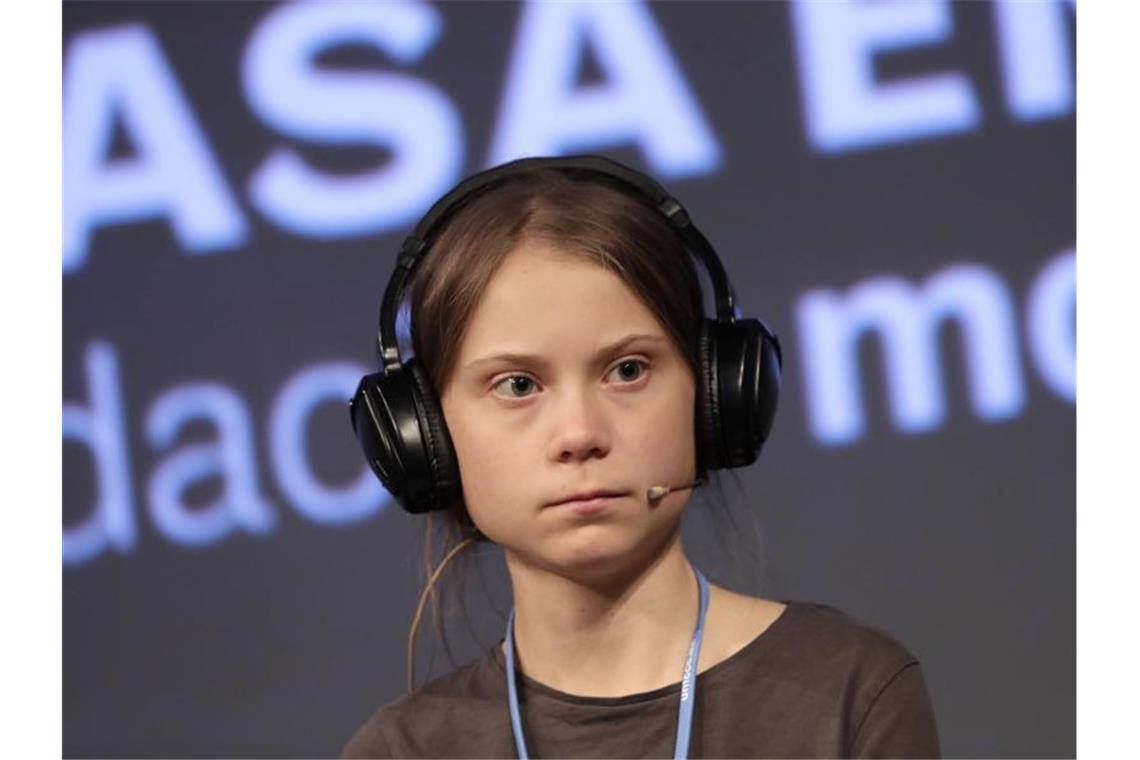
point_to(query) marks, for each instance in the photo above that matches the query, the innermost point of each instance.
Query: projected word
(847, 109)
(122, 73)
(906, 318)
(100, 426)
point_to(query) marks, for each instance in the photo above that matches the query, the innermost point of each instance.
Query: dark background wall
(891, 187)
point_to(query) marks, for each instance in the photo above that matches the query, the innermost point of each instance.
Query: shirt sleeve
(900, 721)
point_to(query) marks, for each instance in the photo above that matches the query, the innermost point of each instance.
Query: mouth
(589, 502)
(598, 493)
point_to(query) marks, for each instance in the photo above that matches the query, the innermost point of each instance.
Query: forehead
(545, 299)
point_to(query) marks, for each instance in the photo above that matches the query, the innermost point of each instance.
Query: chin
(592, 557)
(593, 551)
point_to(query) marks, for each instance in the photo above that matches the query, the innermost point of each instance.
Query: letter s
(416, 121)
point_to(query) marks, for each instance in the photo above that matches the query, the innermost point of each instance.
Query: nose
(582, 429)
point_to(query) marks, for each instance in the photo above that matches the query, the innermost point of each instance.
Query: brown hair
(583, 214)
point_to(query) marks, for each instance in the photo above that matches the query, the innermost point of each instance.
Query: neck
(612, 636)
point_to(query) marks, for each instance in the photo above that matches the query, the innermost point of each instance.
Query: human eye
(512, 383)
(629, 371)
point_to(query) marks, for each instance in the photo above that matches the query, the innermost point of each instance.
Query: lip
(583, 498)
(590, 505)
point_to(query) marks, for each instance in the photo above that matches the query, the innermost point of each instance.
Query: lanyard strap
(688, 679)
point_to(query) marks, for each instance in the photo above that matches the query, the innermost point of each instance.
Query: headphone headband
(641, 185)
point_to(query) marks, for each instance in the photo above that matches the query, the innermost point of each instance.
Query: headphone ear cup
(743, 374)
(397, 421)
(444, 488)
(710, 445)
(769, 374)
(382, 407)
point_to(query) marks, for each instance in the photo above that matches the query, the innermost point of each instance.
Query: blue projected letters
(102, 429)
(1036, 58)
(644, 99)
(844, 106)
(173, 174)
(1050, 329)
(907, 319)
(122, 72)
(231, 457)
(332, 382)
(417, 121)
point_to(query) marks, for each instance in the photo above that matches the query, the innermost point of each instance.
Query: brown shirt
(815, 683)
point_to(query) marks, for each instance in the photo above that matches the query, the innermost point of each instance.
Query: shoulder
(812, 651)
(412, 724)
(831, 653)
(822, 644)
(805, 630)
(835, 684)
(850, 639)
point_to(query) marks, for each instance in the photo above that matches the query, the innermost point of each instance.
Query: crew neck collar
(762, 639)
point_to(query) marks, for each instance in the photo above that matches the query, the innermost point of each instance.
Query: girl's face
(576, 407)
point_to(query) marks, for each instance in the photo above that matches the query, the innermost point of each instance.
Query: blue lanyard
(688, 679)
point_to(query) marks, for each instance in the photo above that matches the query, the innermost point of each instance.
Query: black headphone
(396, 413)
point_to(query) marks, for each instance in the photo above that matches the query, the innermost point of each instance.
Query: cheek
(667, 437)
(483, 452)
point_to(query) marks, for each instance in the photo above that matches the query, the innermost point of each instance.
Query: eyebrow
(531, 359)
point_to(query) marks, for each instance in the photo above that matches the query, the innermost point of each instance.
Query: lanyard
(688, 679)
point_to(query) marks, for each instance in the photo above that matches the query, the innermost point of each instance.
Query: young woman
(565, 397)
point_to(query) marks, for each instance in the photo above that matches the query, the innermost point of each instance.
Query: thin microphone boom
(656, 492)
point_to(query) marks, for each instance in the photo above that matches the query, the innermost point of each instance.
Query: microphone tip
(656, 492)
